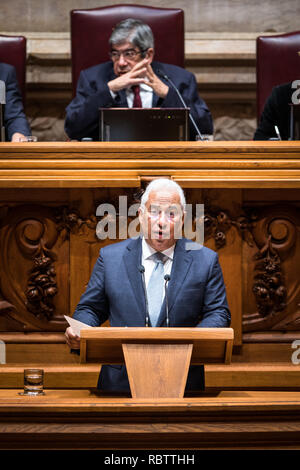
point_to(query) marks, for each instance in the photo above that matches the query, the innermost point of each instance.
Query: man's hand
(159, 87)
(18, 137)
(72, 340)
(142, 72)
(135, 76)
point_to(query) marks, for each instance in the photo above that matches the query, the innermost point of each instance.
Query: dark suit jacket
(196, 295)
(276, 112)
(14, 117)
(82, 119)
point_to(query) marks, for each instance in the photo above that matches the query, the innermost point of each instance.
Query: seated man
(15, 122)
(128, 273)
(276, 112)
(109, 85)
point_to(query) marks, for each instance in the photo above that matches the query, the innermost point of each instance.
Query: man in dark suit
(109, 85)
(15, 122)
(277, 112)
(116, 291)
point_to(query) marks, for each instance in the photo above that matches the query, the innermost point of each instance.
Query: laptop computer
(143, 124)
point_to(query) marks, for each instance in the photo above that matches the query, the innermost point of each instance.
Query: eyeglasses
(171, 215)
(128, 54)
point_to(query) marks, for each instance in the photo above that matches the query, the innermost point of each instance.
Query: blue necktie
(155, 287)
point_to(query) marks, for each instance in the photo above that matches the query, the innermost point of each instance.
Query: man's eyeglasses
(128, 54)
(171, 215)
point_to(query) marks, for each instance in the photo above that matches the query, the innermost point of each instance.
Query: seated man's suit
(82, 119)
(14, 117)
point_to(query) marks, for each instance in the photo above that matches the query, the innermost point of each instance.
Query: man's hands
(159, 87)
(72, 340)
(18, 137)
(142, 72)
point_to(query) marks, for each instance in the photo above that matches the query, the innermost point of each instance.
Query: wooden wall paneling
(272, 290)
(34, 262)
(80, 246)
(32, 179)
(222, 209)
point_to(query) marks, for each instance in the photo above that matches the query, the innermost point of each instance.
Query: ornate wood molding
(127, 164)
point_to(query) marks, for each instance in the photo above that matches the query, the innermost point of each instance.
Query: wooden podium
(157, 359)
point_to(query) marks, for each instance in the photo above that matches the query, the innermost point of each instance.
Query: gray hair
(134, 31)
(162, 183)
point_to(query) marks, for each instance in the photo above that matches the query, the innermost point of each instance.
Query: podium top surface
(176, 334)
(105, 344)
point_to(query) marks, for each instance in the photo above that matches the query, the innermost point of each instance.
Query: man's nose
(122, 61)
(162, 219)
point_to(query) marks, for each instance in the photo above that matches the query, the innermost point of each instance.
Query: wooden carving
(42, 286)
(217, 222)
(28, 238)
(273, 235)
(276, 271)
(269, 289)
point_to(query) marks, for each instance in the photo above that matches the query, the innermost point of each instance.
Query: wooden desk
(79, 419)
(125, 164)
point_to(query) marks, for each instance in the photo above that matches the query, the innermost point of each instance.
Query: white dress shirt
(149, 264)
(146, 94)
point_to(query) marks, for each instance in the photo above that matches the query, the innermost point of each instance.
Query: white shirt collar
(148, 250)
(143, 87)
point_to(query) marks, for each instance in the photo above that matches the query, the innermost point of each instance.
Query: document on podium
(76, 325)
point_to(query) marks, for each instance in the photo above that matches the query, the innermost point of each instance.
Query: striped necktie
(156, 286)
(137, 102)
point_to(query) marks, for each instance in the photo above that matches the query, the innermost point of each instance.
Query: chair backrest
(91, 29)
(277, 61)
(13, 52)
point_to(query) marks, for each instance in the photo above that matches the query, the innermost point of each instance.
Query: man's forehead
(123, 46)
(163, 198)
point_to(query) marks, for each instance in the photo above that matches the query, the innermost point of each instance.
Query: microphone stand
(147, 318)
(167, 278)
(163, 75)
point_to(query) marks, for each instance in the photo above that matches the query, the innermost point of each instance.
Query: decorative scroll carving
(269, 289)
(28, 238)
(276, 271)
(35, 237)
(42, 287)
(218, 222)
(275, 266)
(68, 221)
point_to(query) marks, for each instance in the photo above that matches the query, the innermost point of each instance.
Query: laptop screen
(143, 124)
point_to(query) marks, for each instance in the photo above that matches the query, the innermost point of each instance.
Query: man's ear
(140, 214)
(150, 54)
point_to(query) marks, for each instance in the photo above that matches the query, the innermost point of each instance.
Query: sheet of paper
(76, 325)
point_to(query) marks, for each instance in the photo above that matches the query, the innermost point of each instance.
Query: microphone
(147, 318)
(2, 103)
(163, 75)
(167, 279)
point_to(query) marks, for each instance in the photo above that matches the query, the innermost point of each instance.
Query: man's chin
(160, 244)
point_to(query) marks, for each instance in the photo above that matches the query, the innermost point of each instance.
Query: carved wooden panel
(34, 260)
(49, 247)
(273, 271)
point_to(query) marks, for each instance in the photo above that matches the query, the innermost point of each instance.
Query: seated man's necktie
(155, 287)
(137, 102)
